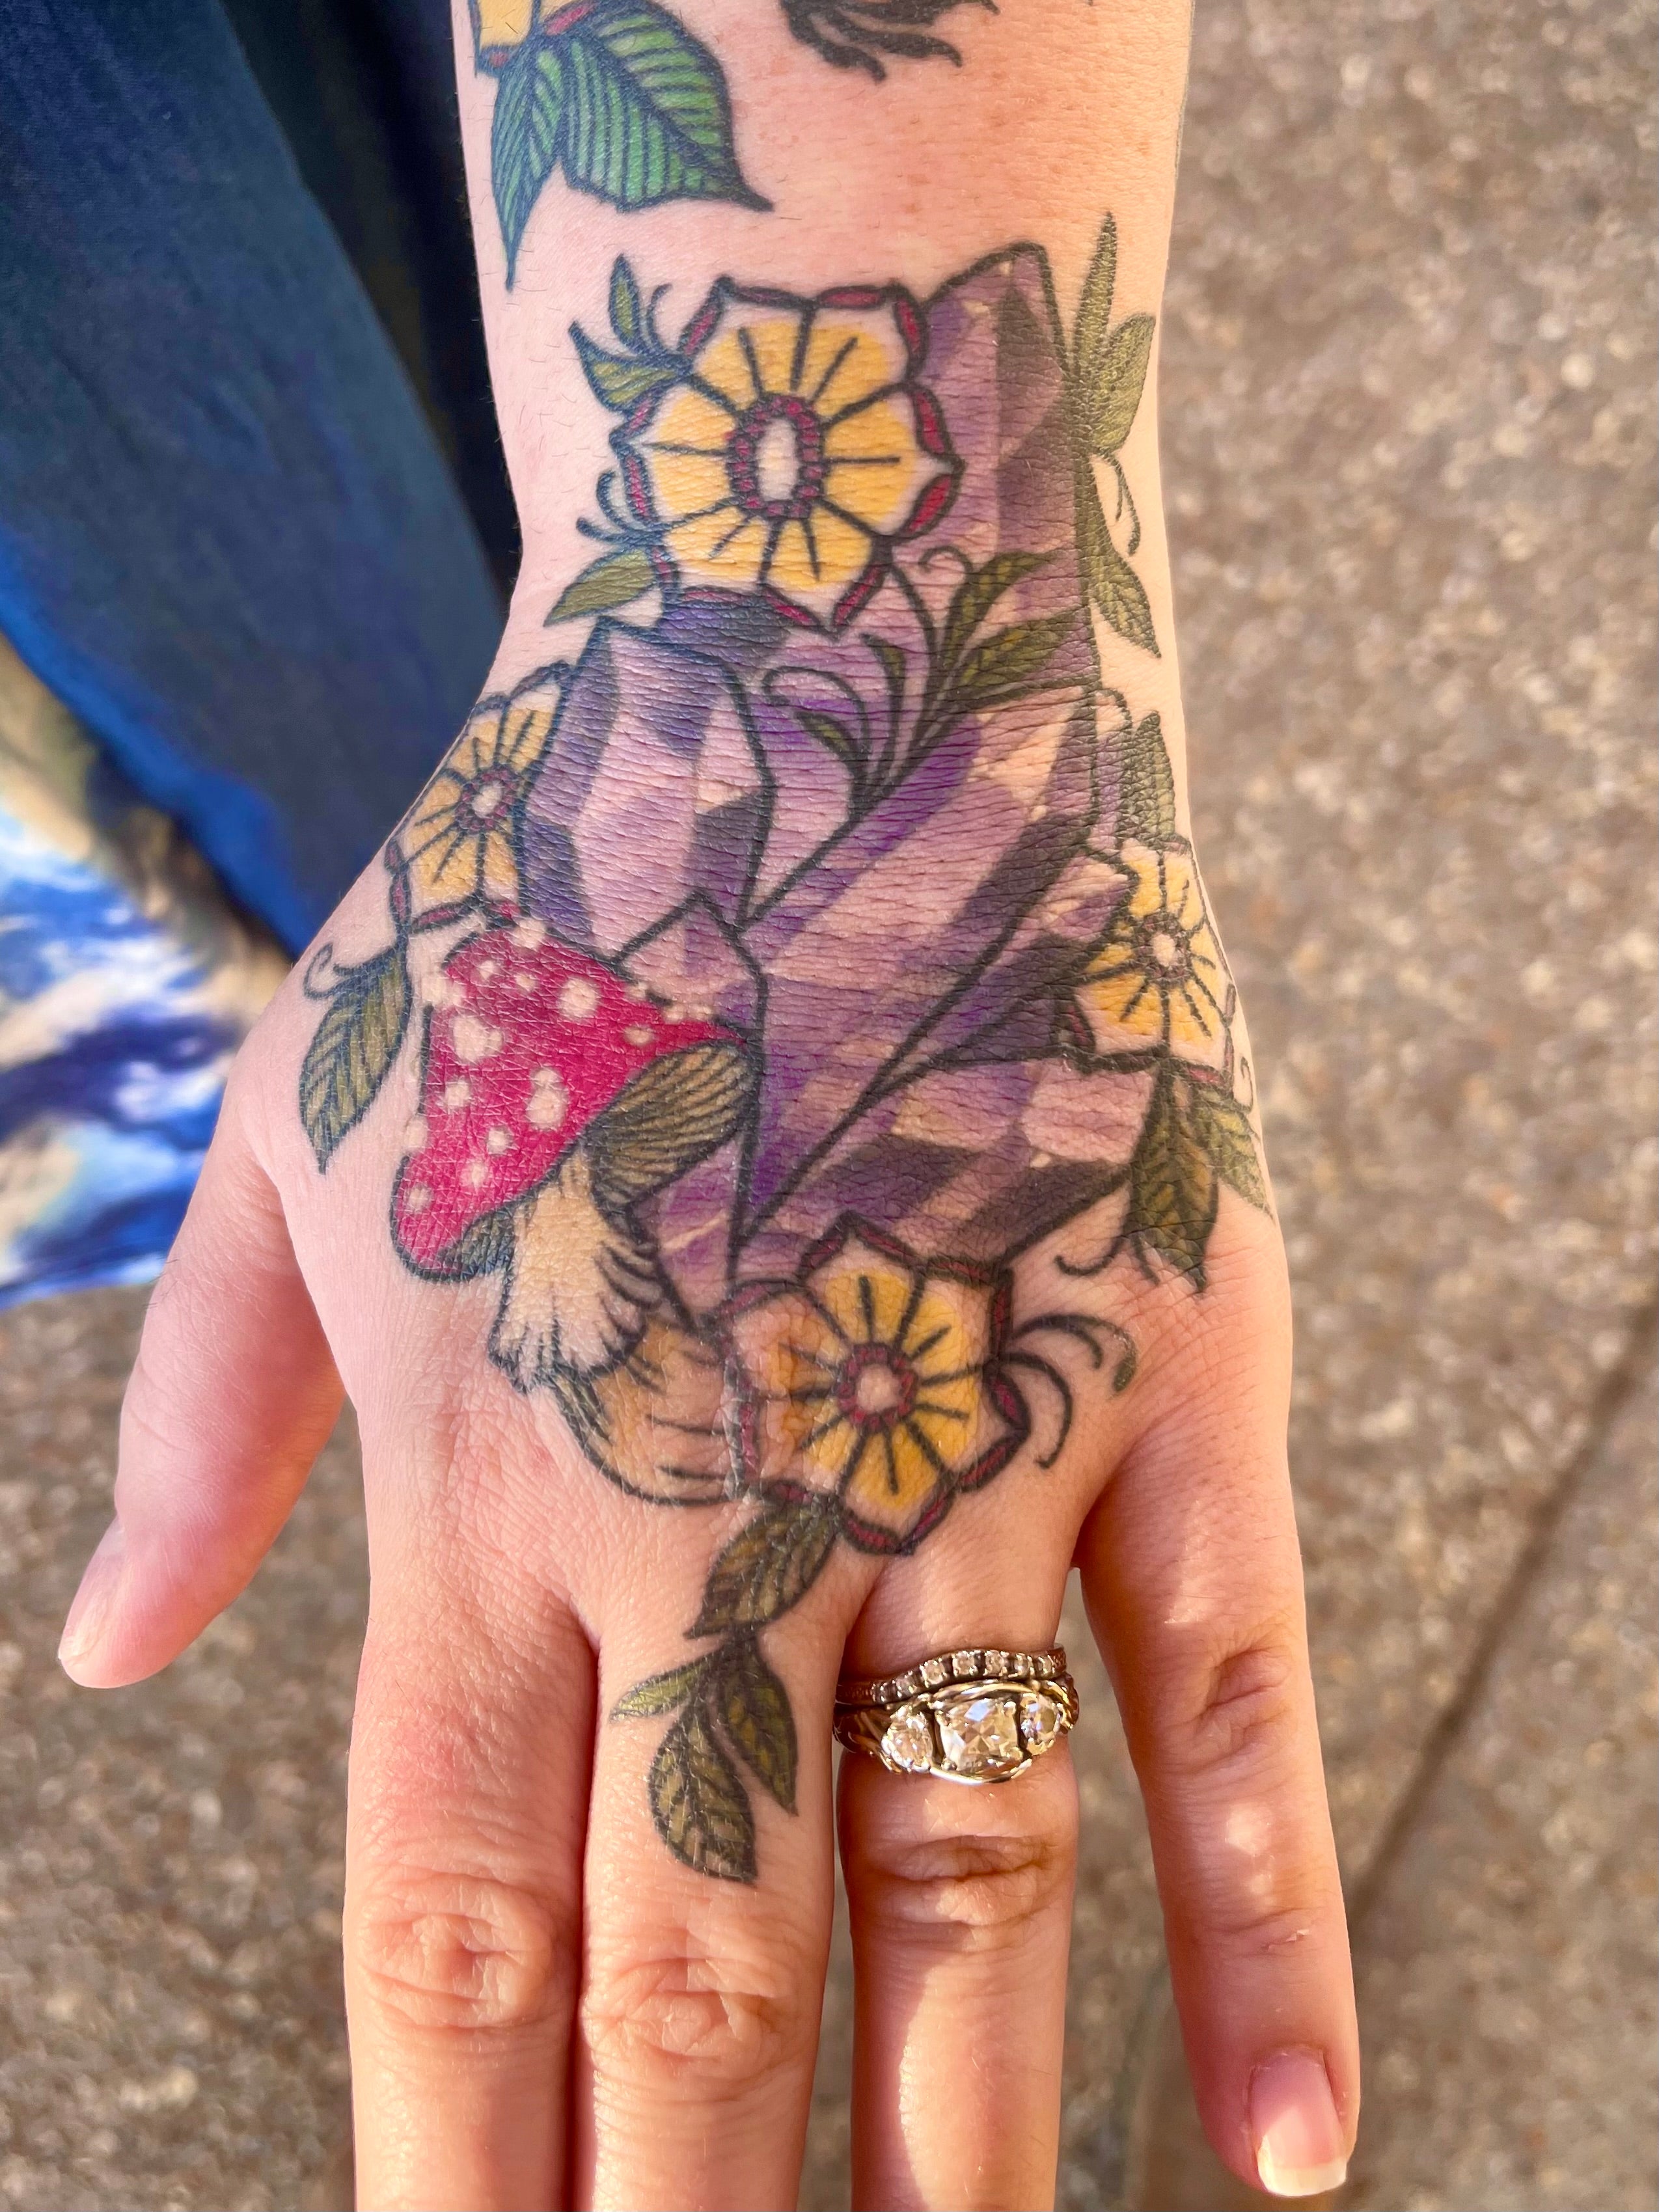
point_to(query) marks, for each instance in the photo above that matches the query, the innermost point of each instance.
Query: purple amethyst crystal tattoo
(909, 966)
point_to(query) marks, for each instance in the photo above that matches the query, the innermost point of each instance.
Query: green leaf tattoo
(524, 141)
(660, 1693)
(1222, 1128)
(1110, 581)
(1172, 1181)
(754, 1711)
(1008, 659)
(1094, 313)
(1117, 380)
(768, 1566)
(355, 1043)
(618, 93)
(699, 1803)
(648, 117)
(1108, 375)
(619, 381)
(610, 581)
(1146, 800)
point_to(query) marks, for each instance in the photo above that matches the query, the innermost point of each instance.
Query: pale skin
(545, 2007)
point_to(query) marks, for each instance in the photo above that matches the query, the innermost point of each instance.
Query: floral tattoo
(635, 111)
(817, 943)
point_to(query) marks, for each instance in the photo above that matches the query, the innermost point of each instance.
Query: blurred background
(1408, 414)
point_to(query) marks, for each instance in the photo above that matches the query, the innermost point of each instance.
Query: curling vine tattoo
(909, 965)
(619, 95)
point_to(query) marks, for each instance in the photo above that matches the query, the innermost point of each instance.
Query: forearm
(1061, 119)
(885, 450)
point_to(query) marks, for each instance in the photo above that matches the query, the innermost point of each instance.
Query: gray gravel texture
(171, 1856)
(1510, 1960)
(1409, 430)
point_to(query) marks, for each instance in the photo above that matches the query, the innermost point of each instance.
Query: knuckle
(1249, 1706)
(449, 1950)
(979, 1889)
(699, 2023)
(1266, 1926)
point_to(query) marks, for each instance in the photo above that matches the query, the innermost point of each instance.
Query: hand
(770, 1154)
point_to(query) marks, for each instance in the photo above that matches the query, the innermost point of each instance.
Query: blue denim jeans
(234, 561)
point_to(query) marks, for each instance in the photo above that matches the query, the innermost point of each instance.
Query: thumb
(232, 1397)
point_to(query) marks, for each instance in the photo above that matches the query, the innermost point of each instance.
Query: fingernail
(92, 1601)
(1298, 2137)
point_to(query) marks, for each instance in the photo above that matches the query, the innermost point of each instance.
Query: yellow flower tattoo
(1160, 977)
(875, 1380)
(793, 451)
(460, 844)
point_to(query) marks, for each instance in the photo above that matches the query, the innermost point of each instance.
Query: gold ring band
(975, 1716)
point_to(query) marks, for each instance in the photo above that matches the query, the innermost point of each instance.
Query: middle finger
(699, 2019)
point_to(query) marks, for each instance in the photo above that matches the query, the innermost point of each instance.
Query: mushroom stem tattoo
(556, 1096)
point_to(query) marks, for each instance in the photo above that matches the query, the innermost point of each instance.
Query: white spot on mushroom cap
(499, 1139)
(475, 1174)
(638, 1035)
(440, 990)
(489, 970)
(417, 1199)
(579, 999)
(548, 1102)
(415, 1132)
(530, 934)
(524, 980)
(474, 1040)
(458, 1093)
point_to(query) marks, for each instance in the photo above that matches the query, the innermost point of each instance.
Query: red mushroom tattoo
(556, 1096)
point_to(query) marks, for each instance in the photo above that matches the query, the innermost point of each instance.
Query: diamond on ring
(907, 1742)
(973, 1715)
(980, 1734)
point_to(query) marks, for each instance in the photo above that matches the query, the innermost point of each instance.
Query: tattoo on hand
(909, 965)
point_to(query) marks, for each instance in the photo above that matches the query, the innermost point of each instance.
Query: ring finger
(960, 1898)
